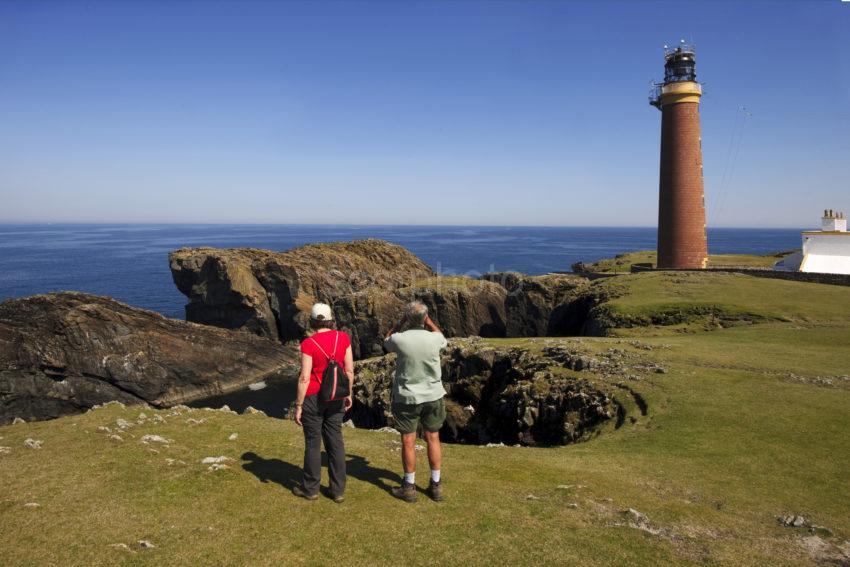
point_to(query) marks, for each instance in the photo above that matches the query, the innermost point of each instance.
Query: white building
(826, 251)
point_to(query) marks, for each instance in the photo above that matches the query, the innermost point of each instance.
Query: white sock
(410, 477)
(435, 475)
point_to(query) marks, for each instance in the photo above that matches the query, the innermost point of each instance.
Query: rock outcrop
(537, 306)
(62, 353)
(461, 306)
(270, 293)
(367, 282)
(497, 395)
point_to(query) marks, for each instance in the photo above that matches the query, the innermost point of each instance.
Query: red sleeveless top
(320, 362)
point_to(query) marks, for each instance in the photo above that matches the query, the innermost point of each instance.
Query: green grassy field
(749, 422)
(622, 263)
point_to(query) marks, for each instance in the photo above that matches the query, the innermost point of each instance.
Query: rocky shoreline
(66, 352)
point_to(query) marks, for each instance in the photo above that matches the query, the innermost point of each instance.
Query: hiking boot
(298, 491)
(435, 491)
(406, 492)
(339, 499)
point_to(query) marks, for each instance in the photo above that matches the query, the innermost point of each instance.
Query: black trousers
(322, 422)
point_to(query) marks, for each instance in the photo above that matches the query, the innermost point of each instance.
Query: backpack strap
(336, 340)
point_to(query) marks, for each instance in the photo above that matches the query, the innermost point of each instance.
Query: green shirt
(417, 371)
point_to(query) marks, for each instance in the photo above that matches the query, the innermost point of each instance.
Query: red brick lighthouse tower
(681, 203)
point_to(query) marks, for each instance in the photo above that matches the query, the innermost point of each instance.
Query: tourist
(417, 395)
(322, 420)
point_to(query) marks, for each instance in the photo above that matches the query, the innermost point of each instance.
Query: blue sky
(488, 113)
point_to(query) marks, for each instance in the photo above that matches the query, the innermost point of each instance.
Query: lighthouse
(682, 241)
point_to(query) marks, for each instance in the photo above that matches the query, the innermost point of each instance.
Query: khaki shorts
(432, 415)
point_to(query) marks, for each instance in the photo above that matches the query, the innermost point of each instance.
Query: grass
(622, 263)
(709, 300)
(738, 432)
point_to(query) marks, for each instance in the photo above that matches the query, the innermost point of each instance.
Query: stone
(123, 423)
(572, 505)
(5, 450)
(104, 429)
(636, 517)
(250, 410)
(142, 416)
(17, 420)
(121, 546)
(193, 421)
(33, 443)
(214, 460)
(114, 437)
(233, 437)
(348, 423)
(217, 467)
(63, 353)
(145, 544)
(32, 505)
(149, 438)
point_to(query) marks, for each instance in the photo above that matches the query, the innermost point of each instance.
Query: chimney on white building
(833, 221)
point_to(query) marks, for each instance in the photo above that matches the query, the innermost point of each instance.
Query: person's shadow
(272, 470)
(359, 468)
(288, 475)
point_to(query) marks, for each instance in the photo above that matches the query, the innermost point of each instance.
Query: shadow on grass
(288, 475)
(359, 468)
(272, 470)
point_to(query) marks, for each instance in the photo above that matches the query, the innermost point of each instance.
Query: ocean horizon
(129, 261)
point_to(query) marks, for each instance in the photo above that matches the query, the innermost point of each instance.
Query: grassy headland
(622, 262)
(747, 422)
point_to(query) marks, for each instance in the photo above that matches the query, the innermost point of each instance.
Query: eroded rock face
(461, 306)
(62, 353)
(270, 293)
(368, 283)
(537, 306)
(495, 395)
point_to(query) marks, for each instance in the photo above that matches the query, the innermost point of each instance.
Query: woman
(322, 421)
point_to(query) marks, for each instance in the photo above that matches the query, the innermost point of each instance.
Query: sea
(130, 261)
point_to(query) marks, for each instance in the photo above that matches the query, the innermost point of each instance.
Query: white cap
(321, 312)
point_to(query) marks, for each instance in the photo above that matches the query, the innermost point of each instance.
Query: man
(417, 395)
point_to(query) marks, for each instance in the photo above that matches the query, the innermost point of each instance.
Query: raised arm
(431, 326)
(396, 327)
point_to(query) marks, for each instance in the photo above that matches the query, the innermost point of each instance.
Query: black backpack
(334, 385)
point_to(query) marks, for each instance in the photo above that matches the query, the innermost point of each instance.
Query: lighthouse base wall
(682, 240)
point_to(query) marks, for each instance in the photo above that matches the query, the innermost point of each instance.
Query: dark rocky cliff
(62, 353)
(270, 293)
(498, 395)
(367, 282)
